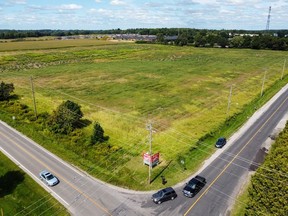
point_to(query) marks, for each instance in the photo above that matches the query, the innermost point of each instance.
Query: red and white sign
(154, 159)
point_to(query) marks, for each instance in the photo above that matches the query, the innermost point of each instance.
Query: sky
(126, 14)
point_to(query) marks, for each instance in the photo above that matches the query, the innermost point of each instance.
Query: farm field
(20, 196)
(182, 91)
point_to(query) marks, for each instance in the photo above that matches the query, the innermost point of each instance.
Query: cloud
(213, 14)
(117, 2)
(69, 7)
(17, 1)
(102, 12)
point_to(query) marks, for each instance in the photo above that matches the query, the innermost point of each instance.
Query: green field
(19, 195)
(182, 91)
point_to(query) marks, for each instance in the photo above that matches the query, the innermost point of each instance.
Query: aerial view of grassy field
(182, 91)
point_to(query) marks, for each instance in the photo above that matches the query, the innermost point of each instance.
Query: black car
(220, 142)
(164, 195)
(194, 186)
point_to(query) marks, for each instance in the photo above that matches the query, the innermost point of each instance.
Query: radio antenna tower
(268, 19)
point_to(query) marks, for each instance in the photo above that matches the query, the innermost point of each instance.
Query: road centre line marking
(28, 171)
(31, 174)
(219, 175)
(39, 146)
(71, 185)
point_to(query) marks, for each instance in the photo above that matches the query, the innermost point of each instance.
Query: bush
(5, 90)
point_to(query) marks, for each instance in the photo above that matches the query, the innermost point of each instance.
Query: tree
(200, 39)
(98, 134)
(160, 38)
(6, 90)
(182, 39)
(222, 42)
(256, 43)
(66, 118)
(247, 42)
(237, 42)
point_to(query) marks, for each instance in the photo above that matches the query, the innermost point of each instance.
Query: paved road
(79, 193)
(83, 195)
(229, 169)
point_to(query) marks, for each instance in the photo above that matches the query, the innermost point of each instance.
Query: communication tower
(268, 19)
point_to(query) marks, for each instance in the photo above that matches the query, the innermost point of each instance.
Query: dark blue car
(220, 142)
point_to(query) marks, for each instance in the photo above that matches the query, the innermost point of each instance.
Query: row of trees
(190, 32)
(272, 39)
(268, 191)
(65, 119)
(224, 39)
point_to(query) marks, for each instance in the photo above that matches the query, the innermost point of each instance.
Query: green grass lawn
(19, 195)
(183, 91)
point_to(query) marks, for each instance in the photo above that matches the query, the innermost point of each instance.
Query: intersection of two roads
(83, 195)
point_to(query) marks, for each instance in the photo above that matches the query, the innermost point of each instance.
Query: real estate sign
(153, 159)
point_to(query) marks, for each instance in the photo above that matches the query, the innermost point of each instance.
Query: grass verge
(19, 195)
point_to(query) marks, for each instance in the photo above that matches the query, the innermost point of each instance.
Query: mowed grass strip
(20, 195)
(183, 90)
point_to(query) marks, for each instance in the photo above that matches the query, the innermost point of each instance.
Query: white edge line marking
(43, 149)
(33, 176)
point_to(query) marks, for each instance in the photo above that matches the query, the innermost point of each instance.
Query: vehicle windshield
(160, 193)
(49, 177)
(192, 185)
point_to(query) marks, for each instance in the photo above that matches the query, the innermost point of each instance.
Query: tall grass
(182, 90)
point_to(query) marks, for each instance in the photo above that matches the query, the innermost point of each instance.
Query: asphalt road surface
(84, 195)
(79, 193)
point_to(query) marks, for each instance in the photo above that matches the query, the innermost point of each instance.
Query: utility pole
(283, 69)
(149, 128)
(33, 95)
(229, 101)
(263, 82)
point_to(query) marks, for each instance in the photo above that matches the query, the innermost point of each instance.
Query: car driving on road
(48, 178)
(220, 142)
(194, 186)
(164, 195)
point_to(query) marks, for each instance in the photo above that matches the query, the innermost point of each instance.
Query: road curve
(84, 195)
(78, 192)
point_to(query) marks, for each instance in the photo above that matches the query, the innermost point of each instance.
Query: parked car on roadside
(194, 186)
(48, 178)
(220, 142)
(164, 195)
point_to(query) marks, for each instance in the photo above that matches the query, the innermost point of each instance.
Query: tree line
(229, 39)
(269, 185)
(272, 39)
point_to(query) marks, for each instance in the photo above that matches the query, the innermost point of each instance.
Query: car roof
(45, 172)
(168, 189)
(200, 178)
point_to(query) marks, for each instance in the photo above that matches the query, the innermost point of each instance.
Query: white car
(48, 178)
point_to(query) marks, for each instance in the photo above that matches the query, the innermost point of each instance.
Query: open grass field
(20, 196)
(49, 43)
(182, 91)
